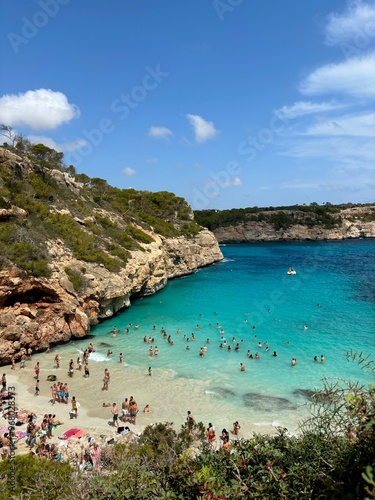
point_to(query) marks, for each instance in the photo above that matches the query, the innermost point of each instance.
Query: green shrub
(41, 188)
(119, 252)
(28, 257)
(127, 241)
(105, 221)
(4, 203)
(75, 277)
(190, 229)
(6, 232)
(33, 476)
(139, 235)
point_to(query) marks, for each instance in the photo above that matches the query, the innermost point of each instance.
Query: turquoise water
(333, 294)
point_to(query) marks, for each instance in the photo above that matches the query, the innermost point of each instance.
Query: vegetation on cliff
(326, 216)
(41, 199)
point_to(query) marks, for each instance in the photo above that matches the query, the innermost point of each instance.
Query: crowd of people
(38, 435)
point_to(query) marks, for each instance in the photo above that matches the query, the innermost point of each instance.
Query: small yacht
(291, 270)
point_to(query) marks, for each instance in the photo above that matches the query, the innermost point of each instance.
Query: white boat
(291, 270)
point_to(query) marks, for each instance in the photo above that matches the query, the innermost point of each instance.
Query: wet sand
(168, 396)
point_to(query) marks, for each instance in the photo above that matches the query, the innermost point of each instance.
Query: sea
(247, 301)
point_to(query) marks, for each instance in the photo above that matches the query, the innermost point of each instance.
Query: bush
(75, 277)
(190, 229)
(119, 252)
(28, 257)
(139, 235)
(33, 476)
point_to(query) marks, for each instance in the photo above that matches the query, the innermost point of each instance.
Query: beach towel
(21, 434)
(79, 434)
(69, 433)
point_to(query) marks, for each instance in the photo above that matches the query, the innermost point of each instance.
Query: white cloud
(324, 186)
(355, 26)
(63, 147)
(340, 152)
(302, 108)
(335, 151)
(73, 146)
(355, 77)
(47, 141)
(160, 132)
(340, 186)
(299, 185)
(41, 109)
(129, 171)
(203, 130)
(362, 125)
(230, 182)
(236, 181)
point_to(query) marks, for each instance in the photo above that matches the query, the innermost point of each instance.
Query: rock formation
(351, 226)
(37, 312)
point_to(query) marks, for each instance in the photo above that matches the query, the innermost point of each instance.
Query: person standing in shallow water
(236, 428)
(57, 361)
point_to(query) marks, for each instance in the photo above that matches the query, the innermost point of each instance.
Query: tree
(8, 132)
(45, 156)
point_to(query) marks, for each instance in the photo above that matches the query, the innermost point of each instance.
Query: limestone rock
(351, 227)
(38, 312)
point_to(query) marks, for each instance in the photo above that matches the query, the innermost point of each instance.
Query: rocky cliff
(352, 224)
(37, 311)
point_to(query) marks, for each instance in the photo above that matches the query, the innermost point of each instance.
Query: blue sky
(227, 103)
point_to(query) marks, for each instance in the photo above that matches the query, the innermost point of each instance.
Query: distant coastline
(300, 223)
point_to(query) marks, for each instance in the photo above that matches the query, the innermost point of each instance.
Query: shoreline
(95, 419)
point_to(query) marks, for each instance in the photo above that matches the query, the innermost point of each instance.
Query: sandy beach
(168, 405)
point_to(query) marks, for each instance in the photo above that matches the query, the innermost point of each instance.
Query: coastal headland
(76, 251)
